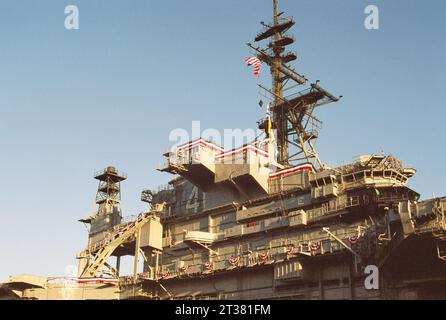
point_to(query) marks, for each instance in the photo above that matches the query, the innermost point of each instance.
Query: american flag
(254, 61)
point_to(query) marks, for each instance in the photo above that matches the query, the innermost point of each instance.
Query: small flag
(270, 130)
(254, 61)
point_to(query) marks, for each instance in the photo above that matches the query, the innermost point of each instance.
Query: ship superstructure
(268, 220)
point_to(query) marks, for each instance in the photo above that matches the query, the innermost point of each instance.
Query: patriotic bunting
(263, 256)
(316, 246)
(234, 260)
(209, 265)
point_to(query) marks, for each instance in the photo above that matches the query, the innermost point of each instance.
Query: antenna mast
(292, 115)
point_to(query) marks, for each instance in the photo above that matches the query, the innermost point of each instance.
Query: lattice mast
(292, 115)
(278, 115)
(108, 195)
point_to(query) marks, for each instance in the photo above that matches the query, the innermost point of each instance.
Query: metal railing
(106, 170)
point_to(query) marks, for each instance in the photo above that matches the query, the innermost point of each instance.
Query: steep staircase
(107, 247)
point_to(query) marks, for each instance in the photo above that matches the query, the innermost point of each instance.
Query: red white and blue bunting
(354, 239)
(183, 268)
(263, 256)
(83, 280)
(209, 265)
(290, 250)
(315, 246)
(234, 261)
(164, 274)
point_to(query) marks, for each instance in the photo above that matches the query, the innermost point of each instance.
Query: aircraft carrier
(267, 220)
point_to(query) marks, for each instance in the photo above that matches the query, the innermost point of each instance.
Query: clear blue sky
(72, 102)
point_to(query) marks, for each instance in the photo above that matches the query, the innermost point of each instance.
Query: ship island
(266, 220)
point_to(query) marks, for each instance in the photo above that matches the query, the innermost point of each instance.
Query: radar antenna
(292, 110)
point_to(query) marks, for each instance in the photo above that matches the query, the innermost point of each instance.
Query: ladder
(108, 247)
